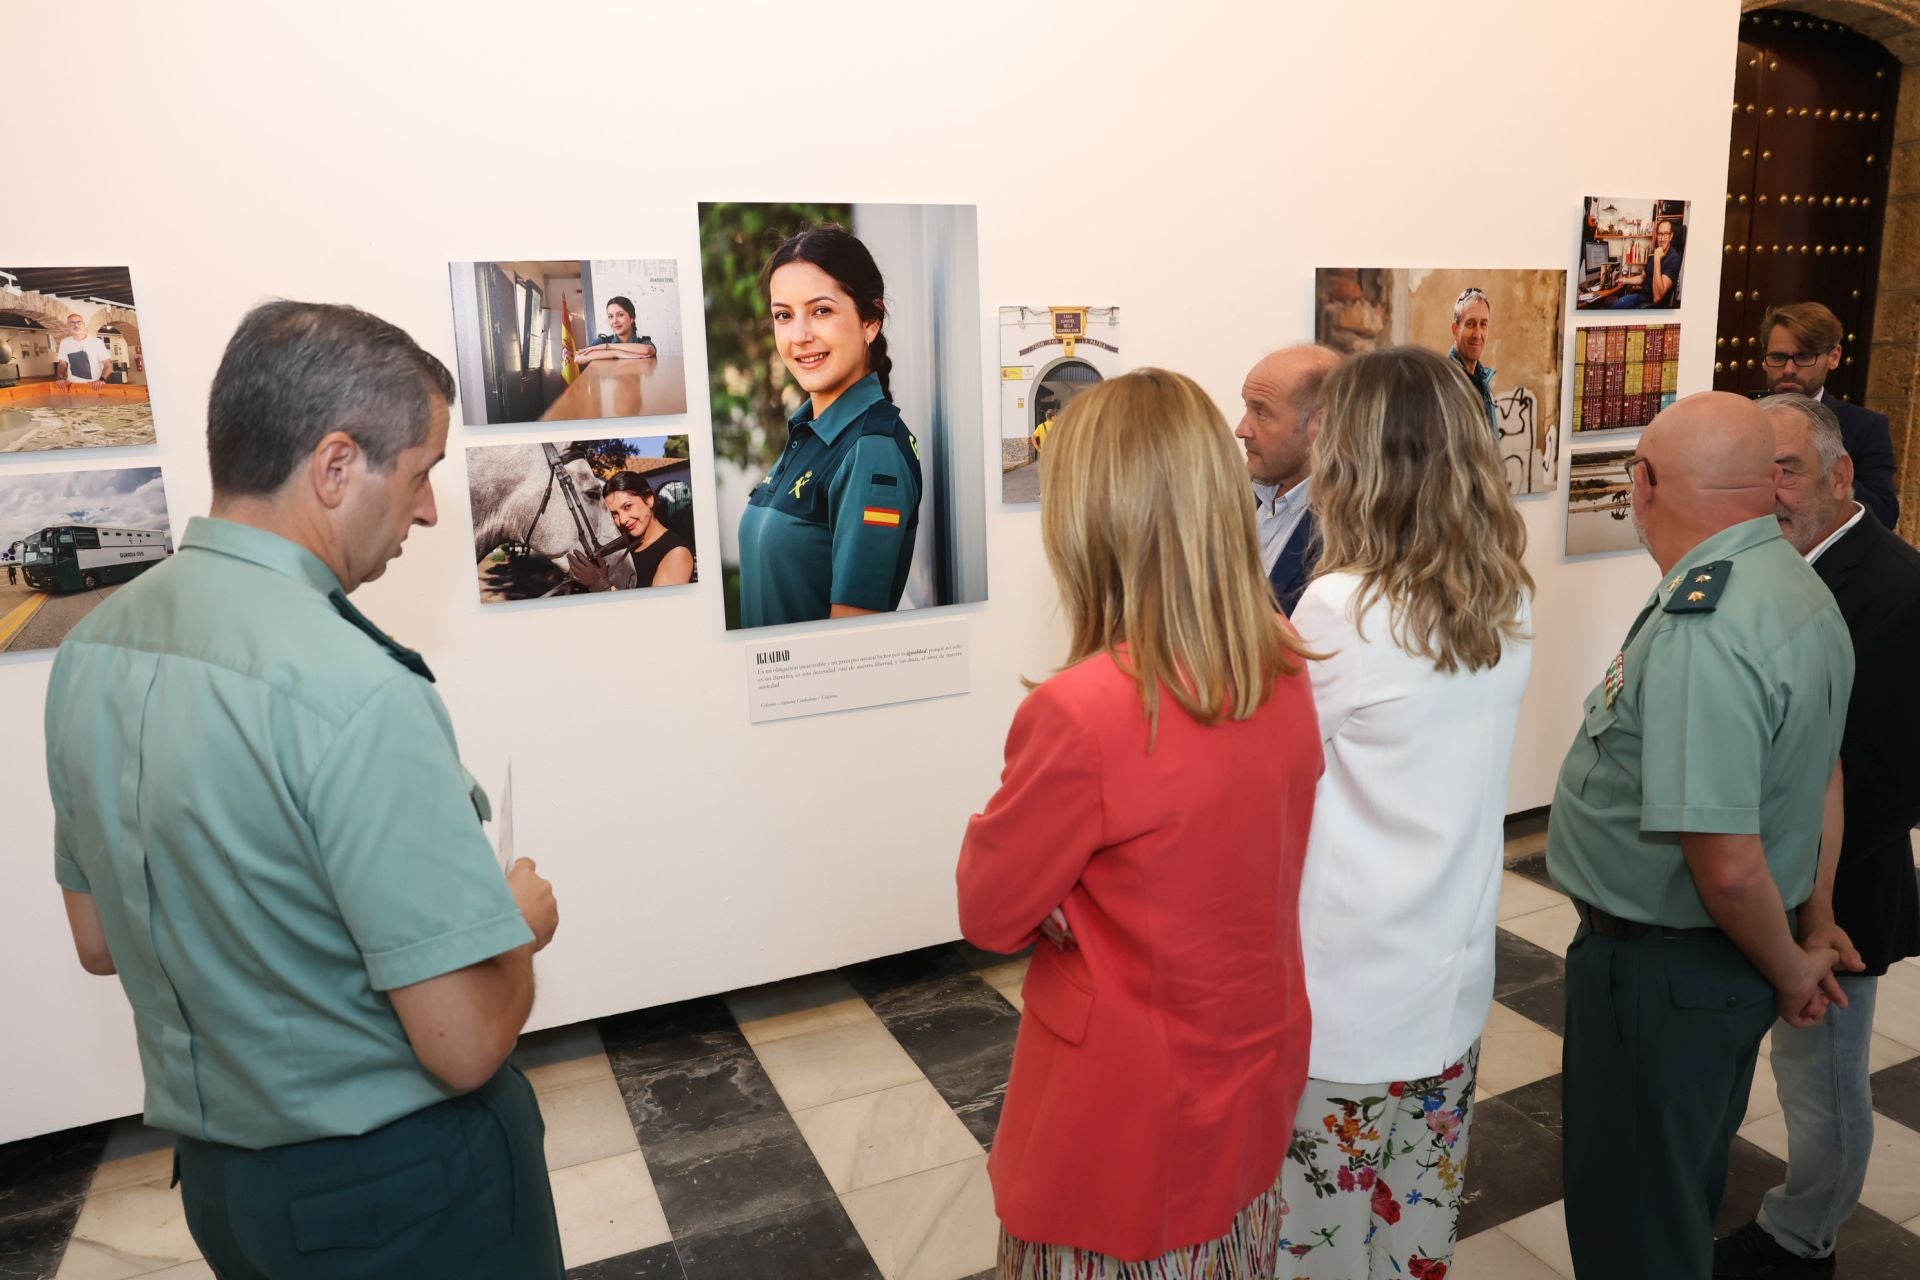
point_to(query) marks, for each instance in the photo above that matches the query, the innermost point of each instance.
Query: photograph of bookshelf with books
(1631, 253)
(1623, 374)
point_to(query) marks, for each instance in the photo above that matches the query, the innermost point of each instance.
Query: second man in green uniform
(1687, 823)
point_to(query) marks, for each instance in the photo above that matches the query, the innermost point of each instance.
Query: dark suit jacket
(1295, 565)
(1869, 443)
(1875, 578)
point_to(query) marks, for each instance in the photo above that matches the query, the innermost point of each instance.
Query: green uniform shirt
(262, 794)
(834, 523)
(1722, 714)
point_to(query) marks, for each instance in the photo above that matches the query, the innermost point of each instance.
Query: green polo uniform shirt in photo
(1727, 704)
(263, 795)
(834, 522)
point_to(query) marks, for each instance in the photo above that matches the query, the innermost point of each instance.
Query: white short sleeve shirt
(96, 357)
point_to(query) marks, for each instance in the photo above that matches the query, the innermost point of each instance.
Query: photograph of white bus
(79, 557)
(68, 540)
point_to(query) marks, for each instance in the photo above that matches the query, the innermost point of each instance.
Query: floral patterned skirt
(1249, 1251)
(1376, 1176)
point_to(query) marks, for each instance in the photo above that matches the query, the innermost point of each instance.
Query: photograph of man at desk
(1631, 252)
(568, 340)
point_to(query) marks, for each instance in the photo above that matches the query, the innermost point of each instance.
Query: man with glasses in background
(1802, 345)
(1872, 908)
(1472, 331)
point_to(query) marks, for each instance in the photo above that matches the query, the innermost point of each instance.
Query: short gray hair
(295, 371)
(1468, 296)
(1827, 440)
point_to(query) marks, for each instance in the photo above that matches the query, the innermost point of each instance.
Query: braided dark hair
(839, 253)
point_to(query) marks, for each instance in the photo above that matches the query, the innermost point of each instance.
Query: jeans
(1828, 1103)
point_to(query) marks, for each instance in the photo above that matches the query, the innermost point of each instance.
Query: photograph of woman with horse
(581, 516)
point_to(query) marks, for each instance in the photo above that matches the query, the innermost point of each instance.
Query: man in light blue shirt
(1282, 398)
(262, 824)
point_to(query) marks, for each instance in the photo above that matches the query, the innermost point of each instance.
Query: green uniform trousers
(458, 1189)
(1662, 1034)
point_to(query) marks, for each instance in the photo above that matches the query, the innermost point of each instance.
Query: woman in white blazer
(1422, 604)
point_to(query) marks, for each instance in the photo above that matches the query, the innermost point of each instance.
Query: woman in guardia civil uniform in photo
(622, 343)
(829, 533)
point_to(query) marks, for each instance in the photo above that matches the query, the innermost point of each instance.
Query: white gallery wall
(1192, 166)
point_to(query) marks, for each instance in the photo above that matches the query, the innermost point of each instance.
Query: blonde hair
(1147, 519)
(1408, 490)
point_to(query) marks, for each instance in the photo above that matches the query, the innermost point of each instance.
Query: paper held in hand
(503, 822)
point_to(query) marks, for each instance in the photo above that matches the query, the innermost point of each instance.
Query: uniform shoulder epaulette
(1698, 589)
(880, 418)
(883, 419)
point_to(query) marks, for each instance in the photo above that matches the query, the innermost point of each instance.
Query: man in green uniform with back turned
(262, 823)
(1687, 823)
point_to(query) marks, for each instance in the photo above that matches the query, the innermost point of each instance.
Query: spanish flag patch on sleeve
(887, 516)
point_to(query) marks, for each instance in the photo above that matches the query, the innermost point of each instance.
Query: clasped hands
(1815, 987)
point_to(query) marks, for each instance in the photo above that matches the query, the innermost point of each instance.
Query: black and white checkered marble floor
(835, 1126)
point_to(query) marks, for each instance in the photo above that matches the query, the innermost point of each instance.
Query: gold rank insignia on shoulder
(1708, 581)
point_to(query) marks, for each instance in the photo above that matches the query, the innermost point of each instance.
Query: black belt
(1612, 926)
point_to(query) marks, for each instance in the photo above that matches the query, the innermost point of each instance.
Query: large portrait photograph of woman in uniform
(70, 539)
(559, 341)
(581, 517)
(1500, 327)
(843, 356)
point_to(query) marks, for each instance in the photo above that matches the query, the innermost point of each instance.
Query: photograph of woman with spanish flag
(849, 493)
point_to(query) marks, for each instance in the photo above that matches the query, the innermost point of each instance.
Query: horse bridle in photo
(557, 478)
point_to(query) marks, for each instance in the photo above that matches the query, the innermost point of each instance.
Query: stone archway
(1893, 375)
(52, 310)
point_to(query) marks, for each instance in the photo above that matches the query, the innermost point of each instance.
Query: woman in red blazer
(1152, 819)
